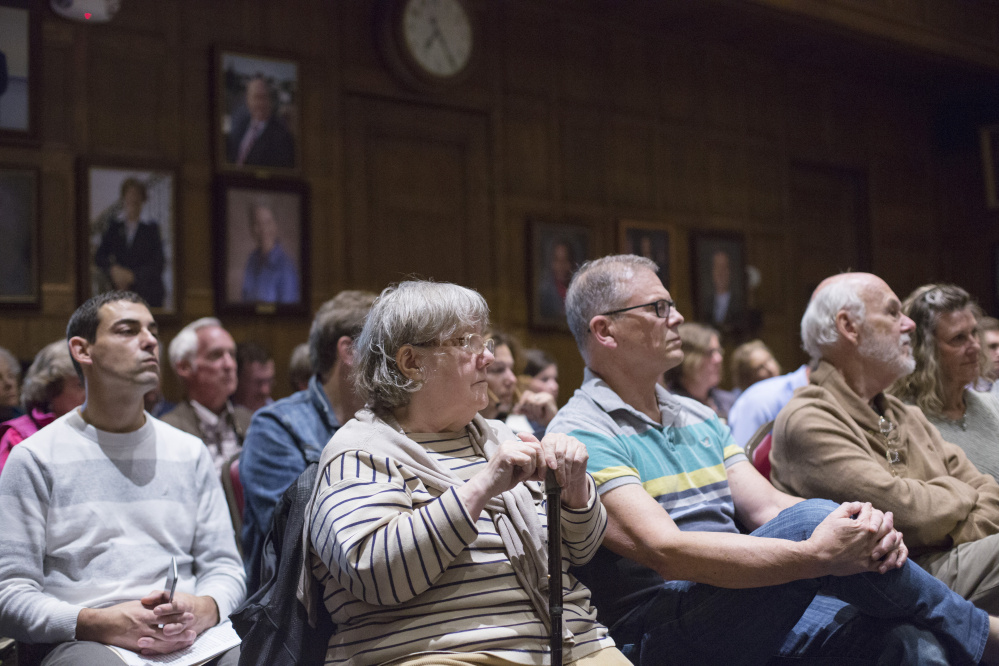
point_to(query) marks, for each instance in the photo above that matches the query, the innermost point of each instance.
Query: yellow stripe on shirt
(677, 483)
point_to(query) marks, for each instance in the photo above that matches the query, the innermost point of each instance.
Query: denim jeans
(902, 617)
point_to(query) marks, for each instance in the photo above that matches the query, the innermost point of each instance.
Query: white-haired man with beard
(843, 437)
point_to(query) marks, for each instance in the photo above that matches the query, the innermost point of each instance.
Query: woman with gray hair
(425, 528)
(949, 359)
(10, 379)
(51, 388)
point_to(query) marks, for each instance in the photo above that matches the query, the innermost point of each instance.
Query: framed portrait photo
(129, 232)
(555, 251)
(19, 85)
(650, 240)
(719, 280)
(258, 109)
(995, 278)
(261, 235)
(19, 230)
(989, 138)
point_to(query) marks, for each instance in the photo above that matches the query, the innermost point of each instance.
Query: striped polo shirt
(413, 573)
(681, 462)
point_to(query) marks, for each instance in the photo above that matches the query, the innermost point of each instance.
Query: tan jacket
(182, 416)
(827, 443)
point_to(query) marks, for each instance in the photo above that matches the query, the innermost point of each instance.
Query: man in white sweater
(95, 505)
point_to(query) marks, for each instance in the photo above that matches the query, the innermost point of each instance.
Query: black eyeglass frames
(662, 307)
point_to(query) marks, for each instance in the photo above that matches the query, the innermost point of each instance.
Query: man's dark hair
(343, 315)
(250, 352)
(84, 322)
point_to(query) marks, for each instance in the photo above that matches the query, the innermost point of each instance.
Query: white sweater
(90, 518)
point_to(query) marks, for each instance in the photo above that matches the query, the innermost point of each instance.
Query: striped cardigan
(405, 570)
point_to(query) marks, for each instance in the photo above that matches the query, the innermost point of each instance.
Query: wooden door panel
(829, 226)
(418, 196)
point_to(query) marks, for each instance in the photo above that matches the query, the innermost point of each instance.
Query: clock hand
(447, 52)
(437, 34)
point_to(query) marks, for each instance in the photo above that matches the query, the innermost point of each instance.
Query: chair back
(234, 496)
(758, 449)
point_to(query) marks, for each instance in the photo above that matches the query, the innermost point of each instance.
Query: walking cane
(553, 493)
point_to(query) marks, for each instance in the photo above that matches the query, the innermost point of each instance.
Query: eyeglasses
(473, 343)
(889, 431)
(662, 307)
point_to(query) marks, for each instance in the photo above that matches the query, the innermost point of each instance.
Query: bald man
(842, 437)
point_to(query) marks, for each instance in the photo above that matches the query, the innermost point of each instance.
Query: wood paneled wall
(576, 111)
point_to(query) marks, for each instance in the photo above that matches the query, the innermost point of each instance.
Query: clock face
(438, 36)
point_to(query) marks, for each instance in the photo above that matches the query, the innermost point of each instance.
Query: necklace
(961, 423)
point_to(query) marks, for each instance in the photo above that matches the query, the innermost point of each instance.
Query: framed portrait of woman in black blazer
(129, 232)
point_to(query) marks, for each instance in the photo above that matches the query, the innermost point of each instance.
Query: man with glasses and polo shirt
(675, 580)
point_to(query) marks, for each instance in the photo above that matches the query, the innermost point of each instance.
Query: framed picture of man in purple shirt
(258, 113)
(261, 236)
(128, 233)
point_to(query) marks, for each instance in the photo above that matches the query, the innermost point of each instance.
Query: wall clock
(429, 43)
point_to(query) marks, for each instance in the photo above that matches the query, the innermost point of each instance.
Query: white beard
(882, 349)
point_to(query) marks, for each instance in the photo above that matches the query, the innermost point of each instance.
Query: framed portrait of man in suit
(261, 242)
(258, 113)
(719, 280)
(129, 232)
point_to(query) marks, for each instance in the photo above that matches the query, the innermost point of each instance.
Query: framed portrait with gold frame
(652, 240)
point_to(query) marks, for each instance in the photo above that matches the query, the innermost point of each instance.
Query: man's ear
(409, 363)
(847, 327)
(79, 348)
(345, 350)
(185, 369)
(602, 330)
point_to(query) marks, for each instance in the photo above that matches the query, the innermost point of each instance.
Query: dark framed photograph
(555, 251)
(989, 137)
(261, 232)
(719, 280)
(19, 230)
(650, 240)
(129, 232)
(995, 278)
(258, 112)
(19, 57)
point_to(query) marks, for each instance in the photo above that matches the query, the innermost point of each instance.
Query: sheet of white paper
(209, 644)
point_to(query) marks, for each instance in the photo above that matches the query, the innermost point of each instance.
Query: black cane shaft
(553, 493)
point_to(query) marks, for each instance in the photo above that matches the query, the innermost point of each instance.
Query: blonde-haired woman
(700, 372)
(949, 359)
